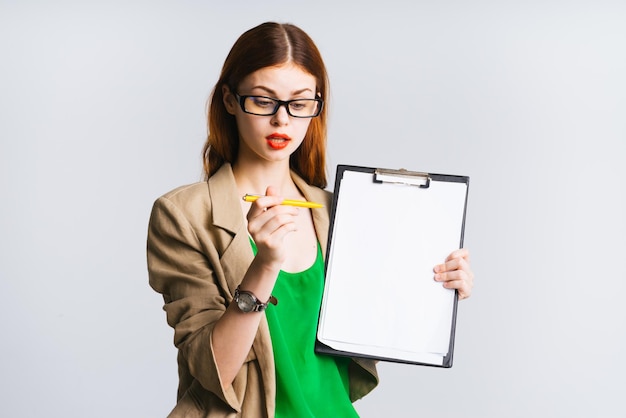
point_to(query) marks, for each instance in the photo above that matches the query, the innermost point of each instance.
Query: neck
(255, 178)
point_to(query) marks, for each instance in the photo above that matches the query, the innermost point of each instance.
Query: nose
(281, 117)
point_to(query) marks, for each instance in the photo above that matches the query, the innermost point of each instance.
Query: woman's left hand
(455, 273)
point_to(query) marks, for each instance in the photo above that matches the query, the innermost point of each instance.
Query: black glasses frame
(279, 103)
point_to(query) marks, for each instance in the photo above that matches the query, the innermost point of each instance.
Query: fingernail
(437, 277)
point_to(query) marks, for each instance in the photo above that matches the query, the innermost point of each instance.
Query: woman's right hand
(269, 223)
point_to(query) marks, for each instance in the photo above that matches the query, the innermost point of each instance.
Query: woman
(221, 262)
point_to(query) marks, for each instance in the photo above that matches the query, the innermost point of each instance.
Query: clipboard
(388, 229)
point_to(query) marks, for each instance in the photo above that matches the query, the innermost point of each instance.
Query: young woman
(220, 263)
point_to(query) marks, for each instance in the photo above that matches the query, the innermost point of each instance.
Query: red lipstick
(278, 140)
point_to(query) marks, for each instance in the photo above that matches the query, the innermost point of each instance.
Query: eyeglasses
(266, 106)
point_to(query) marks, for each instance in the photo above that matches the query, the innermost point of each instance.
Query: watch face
(246, 302)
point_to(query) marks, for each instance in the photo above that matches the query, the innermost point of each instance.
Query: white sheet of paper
(380, 296)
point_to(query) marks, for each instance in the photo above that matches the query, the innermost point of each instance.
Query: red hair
(267, 45)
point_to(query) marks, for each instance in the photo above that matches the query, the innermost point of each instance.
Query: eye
(261, 101)
(298, 105)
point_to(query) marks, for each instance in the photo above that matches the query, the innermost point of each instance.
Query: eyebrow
(272, 92)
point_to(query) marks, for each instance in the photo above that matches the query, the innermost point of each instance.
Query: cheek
(303, 128)
(246, 127)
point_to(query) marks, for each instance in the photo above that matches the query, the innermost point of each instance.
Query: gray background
(102, 109)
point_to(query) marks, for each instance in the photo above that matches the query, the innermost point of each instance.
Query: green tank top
(307, 384)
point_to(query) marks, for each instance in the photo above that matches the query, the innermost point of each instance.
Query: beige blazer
(198, 252)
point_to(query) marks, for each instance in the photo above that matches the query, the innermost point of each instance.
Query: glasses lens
(265, 106)
(304, 108)
(259, 105)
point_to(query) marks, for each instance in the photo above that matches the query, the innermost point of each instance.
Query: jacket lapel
(234, 246)
(320, 216)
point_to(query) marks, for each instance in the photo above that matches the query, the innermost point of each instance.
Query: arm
(214, 339)
(185, 270)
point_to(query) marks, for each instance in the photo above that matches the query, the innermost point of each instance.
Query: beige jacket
(198, 252)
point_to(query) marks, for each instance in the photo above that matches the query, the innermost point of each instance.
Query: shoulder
(199, 193)
(190, 197)
(188, 192)
(181, 206)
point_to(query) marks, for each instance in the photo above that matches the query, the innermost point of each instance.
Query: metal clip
(402, 176)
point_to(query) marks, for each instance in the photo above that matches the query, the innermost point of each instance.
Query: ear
(229, 99)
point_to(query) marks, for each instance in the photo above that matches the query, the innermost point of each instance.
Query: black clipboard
(388, 229)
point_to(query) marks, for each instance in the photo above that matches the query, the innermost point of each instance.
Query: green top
(307, 384)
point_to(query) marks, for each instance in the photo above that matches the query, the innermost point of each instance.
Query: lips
(277, 140)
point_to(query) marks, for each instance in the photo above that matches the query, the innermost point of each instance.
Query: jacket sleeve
(182, 269)
(363, 377)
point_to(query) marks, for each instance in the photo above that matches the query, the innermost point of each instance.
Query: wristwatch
(247, 302)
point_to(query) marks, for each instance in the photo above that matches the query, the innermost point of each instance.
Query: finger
(460, 253)
(452, 276)
(463, 287)
(463, 293)
(451, 265)
(272, 219)
(262, 204)
(459, 280)
(462, 272)
(265, 202)
(271, 191)
(272, 238)
(266, 222)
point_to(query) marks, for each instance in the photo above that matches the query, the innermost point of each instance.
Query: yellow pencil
(299, 203)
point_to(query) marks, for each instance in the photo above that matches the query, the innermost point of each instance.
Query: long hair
(267, 45)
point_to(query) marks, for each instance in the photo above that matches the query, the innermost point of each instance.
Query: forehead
(283, 79)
